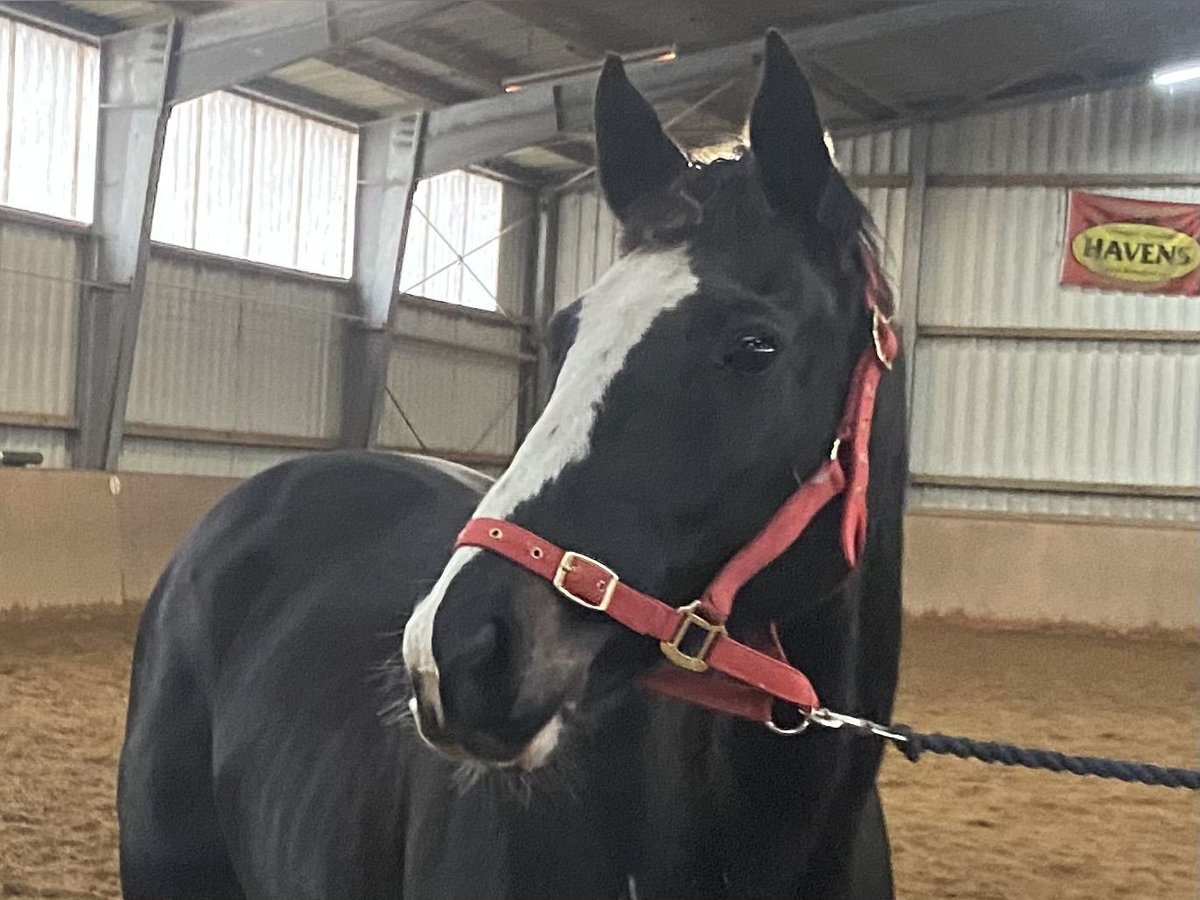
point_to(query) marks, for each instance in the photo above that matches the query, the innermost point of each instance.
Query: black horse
(270, 750)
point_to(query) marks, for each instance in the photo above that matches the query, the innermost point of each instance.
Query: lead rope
(913, 743)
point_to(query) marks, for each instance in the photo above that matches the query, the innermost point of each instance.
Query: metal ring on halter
(806, 720)
(833, 455)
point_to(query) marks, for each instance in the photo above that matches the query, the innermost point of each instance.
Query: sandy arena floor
(959, 829)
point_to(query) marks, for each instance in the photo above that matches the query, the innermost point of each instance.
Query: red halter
(721, 673)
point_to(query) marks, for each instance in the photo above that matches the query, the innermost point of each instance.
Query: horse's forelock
(728, 190)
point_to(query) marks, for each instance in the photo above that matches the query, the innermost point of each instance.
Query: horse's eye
(751, 353)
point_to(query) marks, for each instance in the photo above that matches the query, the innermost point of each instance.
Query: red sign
(1139, 246)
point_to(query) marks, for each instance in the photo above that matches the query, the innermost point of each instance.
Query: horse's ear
(786, 136)
(634, 156)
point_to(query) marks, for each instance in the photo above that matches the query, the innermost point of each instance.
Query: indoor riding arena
(234, 234)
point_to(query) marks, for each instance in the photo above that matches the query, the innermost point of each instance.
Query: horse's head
(706, 367)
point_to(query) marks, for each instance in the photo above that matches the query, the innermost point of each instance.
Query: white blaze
(614, 316)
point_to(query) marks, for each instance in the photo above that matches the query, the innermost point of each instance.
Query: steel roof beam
(483, 129)
(253, 40)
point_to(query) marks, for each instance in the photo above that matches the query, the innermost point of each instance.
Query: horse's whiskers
(468, 774)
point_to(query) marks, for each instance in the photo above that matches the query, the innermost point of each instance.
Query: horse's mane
(720, 195)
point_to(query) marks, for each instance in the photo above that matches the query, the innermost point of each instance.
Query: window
(49, 101)
(453, 249)
(247, 179)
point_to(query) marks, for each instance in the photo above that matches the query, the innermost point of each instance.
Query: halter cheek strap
(709, 667)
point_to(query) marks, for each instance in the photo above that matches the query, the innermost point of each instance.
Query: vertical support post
(545, 278)
(389, 165)
(914, 229)
(136, 70)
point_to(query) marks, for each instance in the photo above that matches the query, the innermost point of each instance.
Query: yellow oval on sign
(1138, 253)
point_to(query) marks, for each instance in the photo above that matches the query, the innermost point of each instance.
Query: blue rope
(912, 744)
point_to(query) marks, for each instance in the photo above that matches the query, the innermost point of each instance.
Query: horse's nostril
(479, 679)
(480, 676)
(472, 651)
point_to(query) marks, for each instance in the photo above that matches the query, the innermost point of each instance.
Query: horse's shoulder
(364, 526)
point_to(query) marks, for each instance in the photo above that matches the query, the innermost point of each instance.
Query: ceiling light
(1177, 74)
(517, 83)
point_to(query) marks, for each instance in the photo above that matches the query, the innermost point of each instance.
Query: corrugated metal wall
(48, 112)
(991, 257)
(1122, 412)
(998, 407)
(882, 153)
(38, 309)
(191, 458)
(51, 444)
(457, 373)
(239, 365)
(888, 206)
(457, 378)
(229, 349)
(588, 235)
(1134, 130)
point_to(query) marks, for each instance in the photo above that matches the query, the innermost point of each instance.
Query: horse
(330, 698)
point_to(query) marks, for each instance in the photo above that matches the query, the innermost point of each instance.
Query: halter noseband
(719, 672)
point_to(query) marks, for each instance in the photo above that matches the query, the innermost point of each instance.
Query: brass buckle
(878, 319)
(688, 617)
(565, 565)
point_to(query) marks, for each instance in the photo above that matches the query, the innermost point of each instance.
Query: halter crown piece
(709, 667)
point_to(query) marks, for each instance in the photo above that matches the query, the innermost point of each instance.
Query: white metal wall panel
(454, 403)
(51, 444)
(1131, 130)
(1117, 412)
(887, 207)
(1044, 503)
(187, 458)
(588, 239)
(221, 347)
(38, 309)
(457, 399)
(48, 109)
(444, 323)
(881, 153)
(290, 359)
(992, 257)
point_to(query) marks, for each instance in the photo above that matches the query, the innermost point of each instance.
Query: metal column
(389, 165)
(142, 73)
(914, 227)
(539, 311)
(135, 74)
